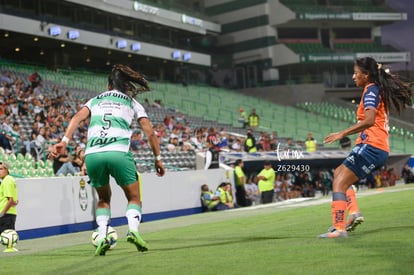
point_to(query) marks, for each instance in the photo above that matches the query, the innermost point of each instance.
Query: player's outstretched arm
(59, 147)
(152, 139)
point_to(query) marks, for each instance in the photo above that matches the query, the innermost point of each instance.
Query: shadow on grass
(214, 243)
(381, 229)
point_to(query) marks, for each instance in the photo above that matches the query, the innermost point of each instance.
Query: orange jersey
(376, 135)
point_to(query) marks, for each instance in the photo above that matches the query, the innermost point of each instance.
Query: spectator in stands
(180, 118)
(157, 103)
(323, 181)
(74, 165)
(50, 136)
(104, 159)
(290, 145)
(308, 189)
(223, 139)
(6, 135)
(253, 120)
(381, 91)
(169, 121)
(278, 195)
(24, 109)
(237, 145)
(383, 174)
(81, 131)
(310, 143)
(407, 174)
(298, 183)
(40, 120)
(212, 155)
(264, 143)
(53, 134)
(213, 136)
(68, 96)
(243, 119)
(252, 191)
(392, 177)
(55, 91)
(59, 124)
(250, 142)
(59, 161)
(266, 179)
(6, 78)
(13, 108)
(197, 140)
(35, 79)
(5, 142)
(137, 142)
(17, 136)
(285, 187)
(172, 145)
(274, 143)
(38, 91)
(36, 146)
(186, 144)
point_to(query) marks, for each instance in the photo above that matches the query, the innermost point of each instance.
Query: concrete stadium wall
(58, 205)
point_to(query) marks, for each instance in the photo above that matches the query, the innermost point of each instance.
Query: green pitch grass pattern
(274, 239)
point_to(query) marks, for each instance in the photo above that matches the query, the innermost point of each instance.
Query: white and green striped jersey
(111, 115)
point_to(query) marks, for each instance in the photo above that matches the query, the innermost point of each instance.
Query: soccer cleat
(103, 246)
(334, 234)
(353, 221)
(134, 238)
(10, 249)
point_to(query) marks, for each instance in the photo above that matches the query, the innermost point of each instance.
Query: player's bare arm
(146, 126)
(367, 122)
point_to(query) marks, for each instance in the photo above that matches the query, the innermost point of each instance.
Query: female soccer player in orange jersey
(381, 91)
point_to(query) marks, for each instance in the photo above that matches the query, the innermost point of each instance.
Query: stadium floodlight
(176, 55)
(54, 31)
(121, 44)
(186, 56)
(72, 34)
(135, 47)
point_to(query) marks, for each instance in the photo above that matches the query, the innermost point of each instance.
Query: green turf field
(275, 239)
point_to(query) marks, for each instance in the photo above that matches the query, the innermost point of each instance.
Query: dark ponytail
(394, 92)
(128, 81)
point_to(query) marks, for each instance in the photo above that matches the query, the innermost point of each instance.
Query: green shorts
(119, 165)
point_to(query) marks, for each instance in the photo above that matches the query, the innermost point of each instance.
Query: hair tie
(379, 66)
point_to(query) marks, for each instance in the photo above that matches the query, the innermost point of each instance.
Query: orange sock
(338, 215)
(339, 211)
(351, 201)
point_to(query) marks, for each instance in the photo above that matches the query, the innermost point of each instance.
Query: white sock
(103, 222)
(134, 218)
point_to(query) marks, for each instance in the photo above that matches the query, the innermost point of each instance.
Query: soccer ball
(9, 238)
(112, 235)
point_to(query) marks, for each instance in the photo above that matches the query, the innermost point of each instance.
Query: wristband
(65, 139)
(158, 158)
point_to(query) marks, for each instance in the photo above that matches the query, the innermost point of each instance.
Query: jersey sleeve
(88, 104)
(139, 110)
(371, 97)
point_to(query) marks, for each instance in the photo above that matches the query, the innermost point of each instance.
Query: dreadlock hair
(394, 92)
(127, 81)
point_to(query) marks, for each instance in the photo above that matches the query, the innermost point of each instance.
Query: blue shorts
(364, 159)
